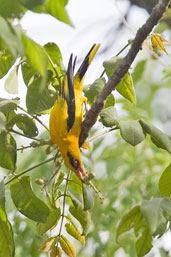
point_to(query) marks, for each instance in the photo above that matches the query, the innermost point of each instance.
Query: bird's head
(72, 159)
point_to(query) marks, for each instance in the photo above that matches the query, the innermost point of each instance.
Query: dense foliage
(43, 206)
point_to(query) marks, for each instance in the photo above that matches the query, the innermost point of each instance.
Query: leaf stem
(25, 171)
(53, 66)
(117, 55)
(24, 147)
(98, 192)
(101, 134)
(34, 117)
(34, 145)
(53, 173)
(18, 133)
(63, 208)
(123, 49)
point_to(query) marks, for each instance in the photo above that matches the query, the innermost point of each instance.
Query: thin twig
(25, 171)
(63, 208)
(117, 55)
(24, 147)
(98, 192)
(53, 66)
(18, 133)
(34, 145)
(100, 134)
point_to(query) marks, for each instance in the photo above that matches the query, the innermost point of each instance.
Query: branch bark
(141, 35)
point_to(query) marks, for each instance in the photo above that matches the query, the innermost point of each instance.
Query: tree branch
(141, 35)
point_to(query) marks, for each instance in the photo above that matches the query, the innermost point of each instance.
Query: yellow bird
(67, 114)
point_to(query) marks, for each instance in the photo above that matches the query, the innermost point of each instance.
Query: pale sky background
(92, 20)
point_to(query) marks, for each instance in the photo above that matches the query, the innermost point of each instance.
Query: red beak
(81, 173)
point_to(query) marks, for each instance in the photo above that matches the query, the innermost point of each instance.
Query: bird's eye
(74, 162)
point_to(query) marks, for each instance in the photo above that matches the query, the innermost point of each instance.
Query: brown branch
(141, 35)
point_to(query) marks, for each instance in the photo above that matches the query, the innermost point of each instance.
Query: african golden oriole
(67, 114)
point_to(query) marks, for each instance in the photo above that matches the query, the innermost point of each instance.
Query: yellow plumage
(67, 114)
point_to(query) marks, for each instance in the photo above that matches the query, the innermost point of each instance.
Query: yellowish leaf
(48, 244)
(67, 247)
(56, 252)
(126, 88)
(157, 41)
(73, 231)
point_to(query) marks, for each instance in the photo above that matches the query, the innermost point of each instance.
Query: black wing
(66, 90)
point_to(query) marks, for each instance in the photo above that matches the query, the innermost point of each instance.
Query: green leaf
(166, 73)
(132, 132)
(138, 71)
(87, 197)
(76, 200)
(146, 127)
(164, 138)
(152, 211)
(7, 105)
(159, 138)
(29, 205)
(55, 195)
(162, 25)
(73, 231)
(126, 88)
(75, 184)
(37, 101)
(55, 63)
(111, 65)
(11, 9)
(52, 220)
(54, 53)
(109, 117)
(59, 178)
(67, 247)
(144, 243)
(166, 206)
(110, 101)
(36, 55)
(165, 182)
(31, 4)
(6, 60)
(9, 36)
(9, 116)
(2, 194)
(134, 220)
(94, 89)
(26, 124)
(7, 246)
(7, 151)
(57, 9)
(11, 83)
(2, 121)
(28, 72)
(82, 216)
(129, 220)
